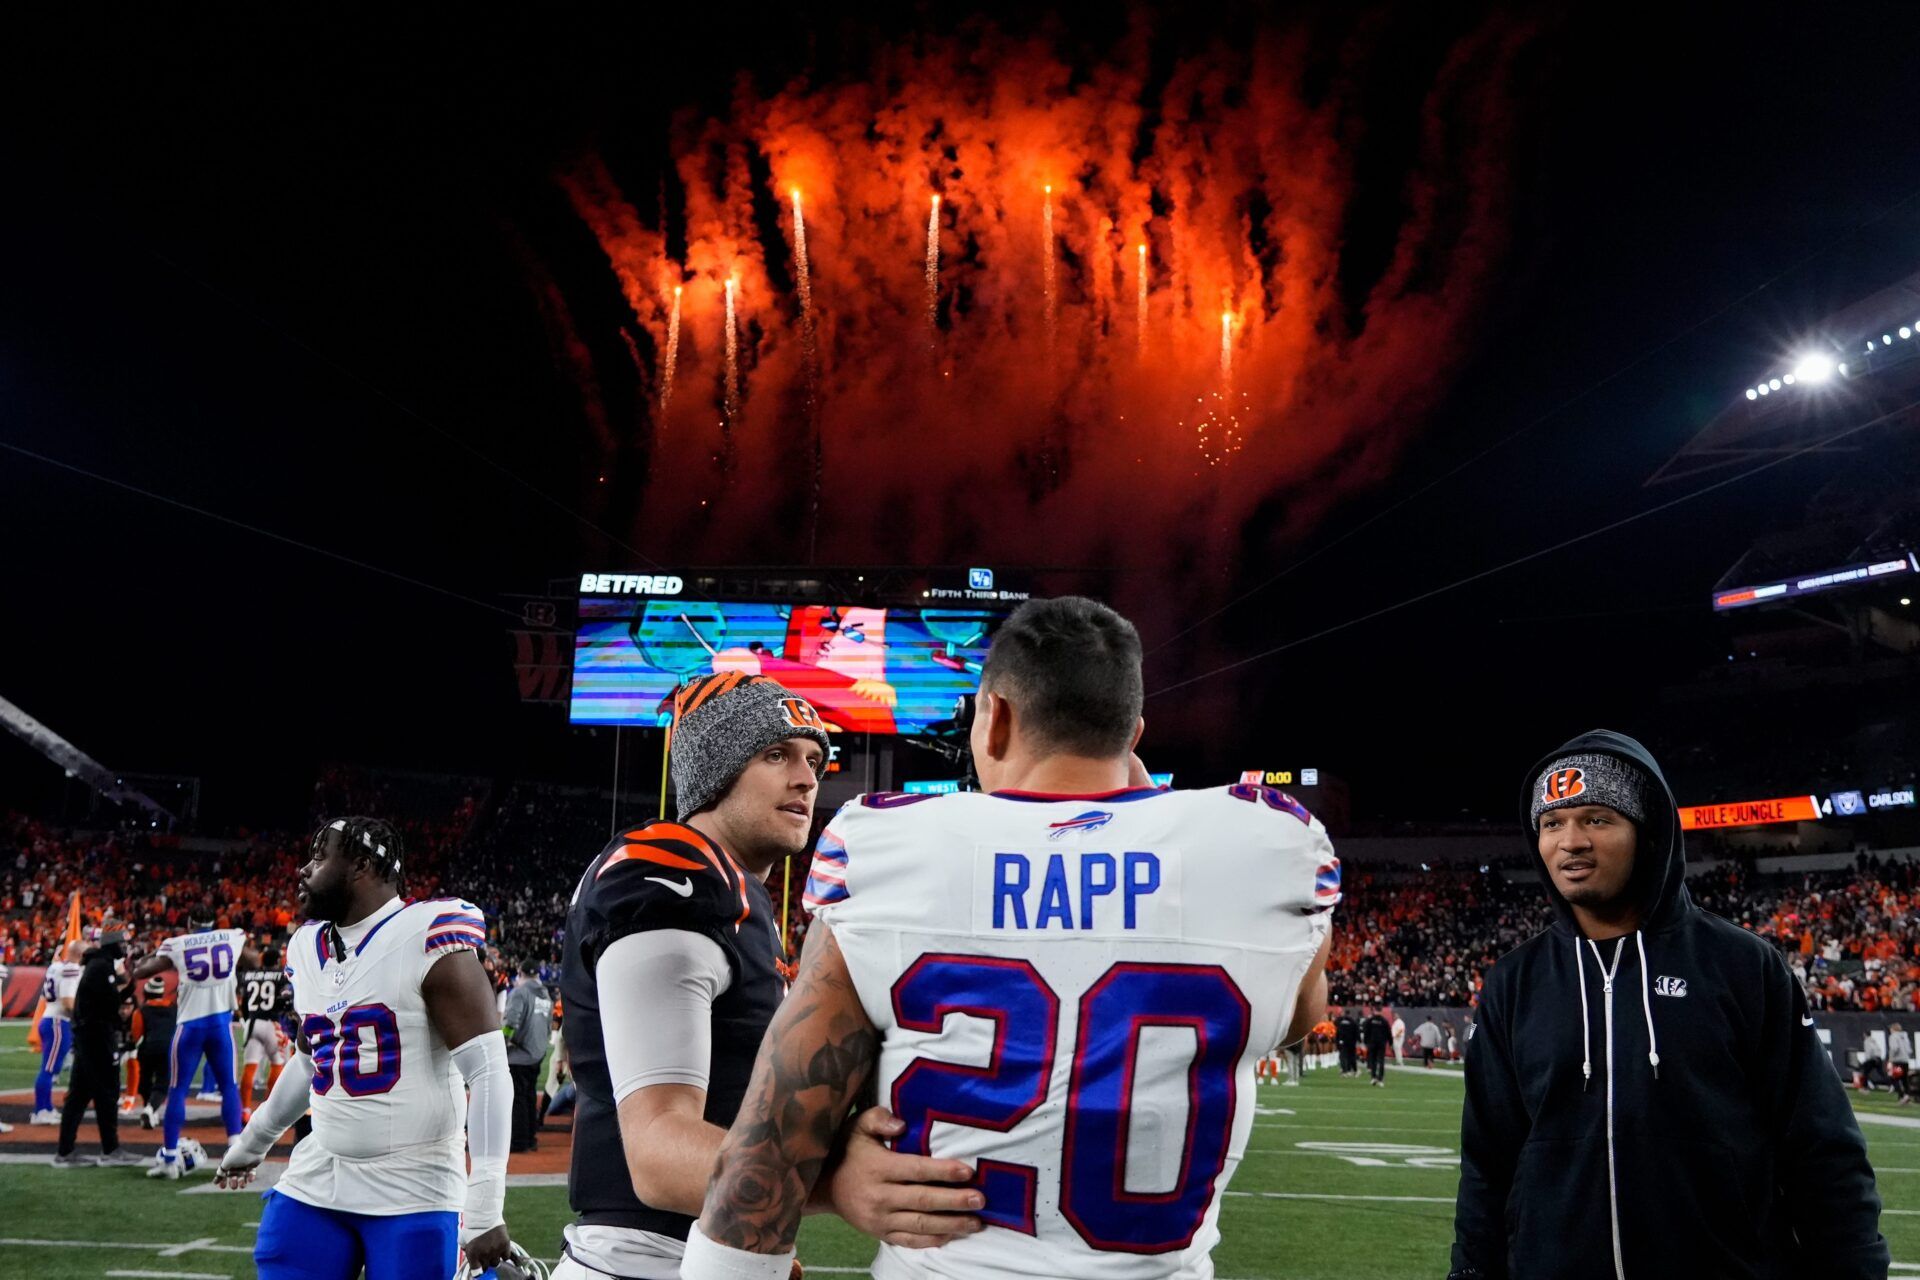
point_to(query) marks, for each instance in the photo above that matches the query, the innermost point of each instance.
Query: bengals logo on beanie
(1564, 784)
(1590, 778)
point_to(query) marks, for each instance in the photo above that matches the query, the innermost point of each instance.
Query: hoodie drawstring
(1646, 1003)
(1586, 1020)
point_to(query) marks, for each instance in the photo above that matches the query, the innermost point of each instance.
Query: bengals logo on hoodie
(1564, 785)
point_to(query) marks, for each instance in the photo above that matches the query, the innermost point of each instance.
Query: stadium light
(1752, 394)
(1789, 379)
(1814, 368)
(1886, 339)
(1774, 383)
(1905, 333)
(1843, 366)
(1763, 388)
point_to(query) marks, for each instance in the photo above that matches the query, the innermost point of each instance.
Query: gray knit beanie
(1589, 777)
(722, 722)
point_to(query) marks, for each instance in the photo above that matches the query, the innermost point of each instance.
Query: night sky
(300, 272)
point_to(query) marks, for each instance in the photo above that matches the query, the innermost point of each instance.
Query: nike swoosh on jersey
(682, 887)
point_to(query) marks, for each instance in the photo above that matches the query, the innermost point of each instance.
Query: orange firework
(1239, 178)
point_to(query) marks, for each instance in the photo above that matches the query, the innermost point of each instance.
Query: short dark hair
(1072, 665)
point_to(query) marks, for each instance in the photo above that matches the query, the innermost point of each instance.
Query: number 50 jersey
(389, 1106)
(1072, 993)
(206, 962)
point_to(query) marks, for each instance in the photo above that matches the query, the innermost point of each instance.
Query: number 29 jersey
(389, 1106)
(1072, 993)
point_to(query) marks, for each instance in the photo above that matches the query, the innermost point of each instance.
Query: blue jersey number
(204, 963)
(337, 1050)
(1127, 999)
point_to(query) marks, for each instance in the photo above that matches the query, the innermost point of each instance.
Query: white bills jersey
(62, 981)
(1072, 993)
(207, 962)
(389, 1106)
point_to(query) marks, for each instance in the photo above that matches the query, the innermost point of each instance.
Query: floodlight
(1752, 394)
(1774, 383)
(1814, 368)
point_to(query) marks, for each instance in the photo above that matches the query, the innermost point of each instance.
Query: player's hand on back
(900, 1199)
(489, 1248)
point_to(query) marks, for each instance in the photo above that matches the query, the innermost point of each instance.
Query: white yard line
(163, 1250)
(172, 1275)
(1892, 1122)
(1349, 1128)
(1328, 1195)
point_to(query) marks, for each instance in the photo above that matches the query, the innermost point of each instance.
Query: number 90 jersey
(389, 1106)
(206, 962)
(1072, 993)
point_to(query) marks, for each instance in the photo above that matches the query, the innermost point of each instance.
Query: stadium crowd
(1406, 938)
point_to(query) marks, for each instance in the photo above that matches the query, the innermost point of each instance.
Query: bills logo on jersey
(1091, 820)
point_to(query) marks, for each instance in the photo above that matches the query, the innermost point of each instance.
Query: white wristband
(705, 1260)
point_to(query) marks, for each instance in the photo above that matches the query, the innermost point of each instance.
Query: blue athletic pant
(56, 1038)
(209, 1038)
(299, 1241)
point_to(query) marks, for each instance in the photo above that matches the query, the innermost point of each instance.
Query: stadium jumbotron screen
(866, 670)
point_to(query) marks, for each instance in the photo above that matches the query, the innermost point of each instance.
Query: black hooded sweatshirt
(1680, 1118)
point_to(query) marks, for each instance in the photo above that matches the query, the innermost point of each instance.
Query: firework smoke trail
(1046, 275)
(731, 402)
(933, 270)
(673, 355)
(803, 278)
(1140, 307)
(1226, 352)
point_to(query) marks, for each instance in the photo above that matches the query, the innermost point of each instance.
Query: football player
(1065, 979)
(673, 967)
(397, 1025)
(56, 1029)
(207, 960)
(264, 1001)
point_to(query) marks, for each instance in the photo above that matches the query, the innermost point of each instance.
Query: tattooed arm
(815, 1062)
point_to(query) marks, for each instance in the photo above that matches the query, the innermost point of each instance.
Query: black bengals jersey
(265, 993)
(660, 875)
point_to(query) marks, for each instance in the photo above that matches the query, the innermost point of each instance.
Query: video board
(866, 670)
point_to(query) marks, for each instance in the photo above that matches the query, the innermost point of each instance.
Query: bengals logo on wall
(1564, 785)
(801, 715)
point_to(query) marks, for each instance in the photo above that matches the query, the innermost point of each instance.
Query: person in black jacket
(1346, 1038)
(1645, 1094)
(1377, 1032)
(96, 1069)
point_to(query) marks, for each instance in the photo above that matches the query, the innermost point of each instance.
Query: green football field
(1340, 1180)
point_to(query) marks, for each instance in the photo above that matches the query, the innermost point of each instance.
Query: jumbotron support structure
(78, 764)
